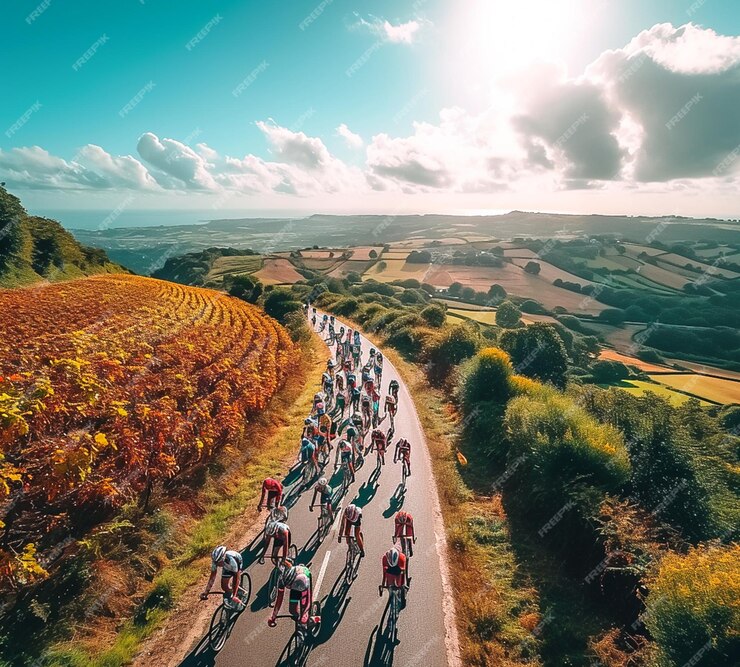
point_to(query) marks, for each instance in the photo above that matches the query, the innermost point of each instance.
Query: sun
(497, 37)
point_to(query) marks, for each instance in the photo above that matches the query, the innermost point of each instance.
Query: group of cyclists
(325, 429)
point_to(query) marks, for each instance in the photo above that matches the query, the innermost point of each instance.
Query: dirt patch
(277, 271)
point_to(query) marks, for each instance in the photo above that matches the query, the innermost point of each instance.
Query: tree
(246, 288)
(419, 257)
(455, 289)
(614, 316)
(533, 268)
(279, 302)
(448, 348)
(373, 254)
(507, 315)
(468, 293)
(353, 278)
(435, 314)
(537, 351)
(496, 293)
(606, 371)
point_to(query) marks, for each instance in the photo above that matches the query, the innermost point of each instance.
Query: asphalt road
(353, 617)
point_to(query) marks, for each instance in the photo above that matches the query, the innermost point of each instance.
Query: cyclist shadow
(380, 647)
(200, 656)
(333, 608)
(365, 493)
(395, 502)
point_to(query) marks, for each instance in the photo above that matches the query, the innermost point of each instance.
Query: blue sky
(407, 80)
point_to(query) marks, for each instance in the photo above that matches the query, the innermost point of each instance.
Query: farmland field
(362, 253)
(110, 384)
(235, 265)
(711, 270)
(612, 355)
(640, 387)
(551, 273)
(349, 266)
(278, 272)
(717, 390)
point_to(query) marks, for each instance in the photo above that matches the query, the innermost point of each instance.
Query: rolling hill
(33, 249)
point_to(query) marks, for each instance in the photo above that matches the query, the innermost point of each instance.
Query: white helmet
(392, 556)
(330, 363)
(217, 555)
(352, 513)
(322, 482)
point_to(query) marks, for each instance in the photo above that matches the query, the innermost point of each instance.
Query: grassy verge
(497, 607)
(225, 509)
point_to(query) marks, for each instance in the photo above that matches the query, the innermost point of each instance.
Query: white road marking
(337, 519)
(322, 572)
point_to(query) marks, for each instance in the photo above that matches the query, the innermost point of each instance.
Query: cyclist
(391, 406)
(403, 453)
(308, 453)
(352, 518)
(380, 443)
(325, 493)
(393, 389)
(346, 451)
(358, 424)
(366, 410)
(394, 572)
(368, 384)
(273, 491)
(404, 529)
(356, 338)
(375, 397)
(231, 565)
(378, 367)
(330, 368)
(339, 405)
(355, 396)
(298, 579)
(351, 381)
(279, 533)
(313, 321)
(310, 428)
(327, 384)
(318, 397)
(356, 353)
(325, 427)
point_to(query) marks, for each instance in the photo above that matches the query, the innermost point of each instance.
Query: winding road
(351, 632)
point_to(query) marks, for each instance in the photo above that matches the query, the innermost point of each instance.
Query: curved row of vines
(110, 386)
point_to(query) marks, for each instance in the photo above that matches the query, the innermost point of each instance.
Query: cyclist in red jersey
(403, 452)
(404, 529)
(380, 443)
(394, 572)
(272, 494)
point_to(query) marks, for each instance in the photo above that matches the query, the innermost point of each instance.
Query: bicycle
(274, 515)
(352, 563)
(346, 477)
(303, 634)
(309, 472)
(324, 520)
(277, 572)
(407, 548)
(393, 609)
(226, 613)
(405, 471)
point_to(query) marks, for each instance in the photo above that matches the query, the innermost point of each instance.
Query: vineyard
(110, 387)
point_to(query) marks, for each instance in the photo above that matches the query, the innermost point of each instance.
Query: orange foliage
(113, 383)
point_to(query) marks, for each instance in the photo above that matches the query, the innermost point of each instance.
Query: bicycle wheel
(272, 586)
(245, 586)
(219, 628)
(293, 552)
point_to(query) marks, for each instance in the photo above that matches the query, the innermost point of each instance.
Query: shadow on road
(200, 656)
(380, 648)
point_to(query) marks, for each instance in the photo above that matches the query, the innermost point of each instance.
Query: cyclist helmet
(392, 555)
(352, 513)
(372, 351)
(289, 574)
(217, 555)
(326, 377)
(403, 517)
(322, 482)
(308, 421)
(330, 363)
(341, 329)
(320, 408)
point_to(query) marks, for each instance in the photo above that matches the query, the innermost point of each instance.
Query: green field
(640, 387)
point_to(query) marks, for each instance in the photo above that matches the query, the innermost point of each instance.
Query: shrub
(533, 268)
(449, 347)
(693, 609)
(435, 314)
(538, 352)
(246, 288)
(496, 293)
(605, 371)
(485, 378)
(346, 307)
(532, 306)
(613, 316)
(507, 315)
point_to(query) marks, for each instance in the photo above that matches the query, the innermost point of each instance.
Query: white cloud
(401, 33)
(350, 138)
(175, 159)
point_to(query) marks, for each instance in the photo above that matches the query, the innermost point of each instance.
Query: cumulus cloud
(655, 116)
(401, 33)
(176, 160)
(350, 138)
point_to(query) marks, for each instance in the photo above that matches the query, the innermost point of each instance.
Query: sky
(383, 106)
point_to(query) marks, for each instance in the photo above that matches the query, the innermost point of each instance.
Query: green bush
(346, 307)
(508, 315)
(449, 347)
(485, 378)
(435, 314)
(537, 351)
(693, 609)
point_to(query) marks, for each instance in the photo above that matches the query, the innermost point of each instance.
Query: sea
(106, 219)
